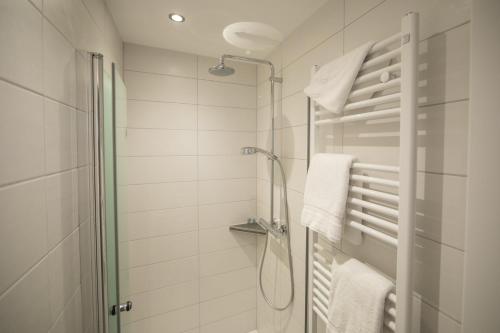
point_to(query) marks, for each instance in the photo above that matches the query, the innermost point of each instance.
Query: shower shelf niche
(250, 226)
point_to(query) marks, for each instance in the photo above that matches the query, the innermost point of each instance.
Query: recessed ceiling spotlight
(176, 17)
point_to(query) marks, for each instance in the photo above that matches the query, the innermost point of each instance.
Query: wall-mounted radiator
(381, 201)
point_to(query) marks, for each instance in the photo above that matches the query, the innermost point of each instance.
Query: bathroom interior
(212, 166)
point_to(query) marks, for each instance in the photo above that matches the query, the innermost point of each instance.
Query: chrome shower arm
(252, 60)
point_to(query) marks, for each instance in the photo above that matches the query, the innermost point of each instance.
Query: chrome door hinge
(127, 306)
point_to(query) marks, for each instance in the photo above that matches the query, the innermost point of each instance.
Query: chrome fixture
(275, 227)
(127, 306)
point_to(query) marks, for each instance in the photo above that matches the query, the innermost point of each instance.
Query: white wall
(335, 29)
(482, 274)
(187, 182)
(44, 218)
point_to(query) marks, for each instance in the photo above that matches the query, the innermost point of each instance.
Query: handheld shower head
(255, 150)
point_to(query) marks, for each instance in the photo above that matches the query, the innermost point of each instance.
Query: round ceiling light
(176, 17)
(252, 36)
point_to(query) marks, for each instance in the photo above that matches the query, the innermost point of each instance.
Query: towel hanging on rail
(325, 194)
(331, 85)
(357, 297)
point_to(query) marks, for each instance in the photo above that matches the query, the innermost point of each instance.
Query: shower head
(255, 150)
(221, 69)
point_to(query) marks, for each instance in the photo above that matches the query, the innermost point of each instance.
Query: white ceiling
(146, 22)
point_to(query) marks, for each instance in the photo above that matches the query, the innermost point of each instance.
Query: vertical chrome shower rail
(97, 189)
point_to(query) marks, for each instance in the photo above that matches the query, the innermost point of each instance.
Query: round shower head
(221, 70)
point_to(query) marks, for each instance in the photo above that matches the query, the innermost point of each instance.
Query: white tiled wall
(44, 217)
(442, 155)
(187, 182)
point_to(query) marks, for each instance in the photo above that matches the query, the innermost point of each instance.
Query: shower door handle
(127, 306)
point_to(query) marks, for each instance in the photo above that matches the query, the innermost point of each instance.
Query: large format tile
(224, 143)
(227, 260)
(163, 300)
(223, 167)
(161, 196)
(176, 321)
(225, 94)
(158, 223)
(444, 67)
(162, 248)
(156, 142)
(227, 283)
(71, 319)
(21, 62)
(160, 61)
(225, 118)
(209, 216)
(21, 134)
(227, 190)
(443, 137)
(216, 239)
(60, 136)
(64, 273)
(61, 192)
(162, 274)
(355, 9)
(324, 23)
(240, 323)
(145, 114)
(226, 306)
(30, 296)
(59, 67)
(160, 88)
(160, 169)
(23, 228)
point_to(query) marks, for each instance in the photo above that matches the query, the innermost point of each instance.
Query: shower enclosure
(107, 127)
(135, 242)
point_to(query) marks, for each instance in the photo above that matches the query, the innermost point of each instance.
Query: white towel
(331, 85)
(325, 194)
(357, 297)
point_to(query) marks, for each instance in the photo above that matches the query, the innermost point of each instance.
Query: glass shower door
(115, 121)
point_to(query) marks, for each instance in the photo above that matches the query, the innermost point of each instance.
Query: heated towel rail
(381, 201)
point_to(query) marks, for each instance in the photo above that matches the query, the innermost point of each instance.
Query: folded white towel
(325, 194)
(357, 297)
(331, 85)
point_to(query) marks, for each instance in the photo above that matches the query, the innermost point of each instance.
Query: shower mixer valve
(275, 228)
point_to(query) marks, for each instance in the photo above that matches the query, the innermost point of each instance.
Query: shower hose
(289, 250)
